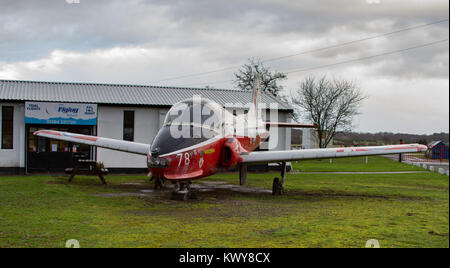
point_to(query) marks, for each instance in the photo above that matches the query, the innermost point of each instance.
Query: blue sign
(50, 113)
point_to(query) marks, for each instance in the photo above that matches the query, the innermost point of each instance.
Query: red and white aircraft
(217, 141)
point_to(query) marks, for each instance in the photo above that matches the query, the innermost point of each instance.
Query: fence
(437, 154)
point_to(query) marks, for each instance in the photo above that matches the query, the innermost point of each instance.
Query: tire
(277, 187)
(180, 196)
(192, 195)
(159, 184)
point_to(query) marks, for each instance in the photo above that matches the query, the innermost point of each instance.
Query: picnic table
(87, 167)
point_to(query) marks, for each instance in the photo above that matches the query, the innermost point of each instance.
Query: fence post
(400, 156)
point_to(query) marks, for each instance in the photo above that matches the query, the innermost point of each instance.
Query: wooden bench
(87, 167)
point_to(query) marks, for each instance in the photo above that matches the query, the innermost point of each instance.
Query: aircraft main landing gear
(183, 192)
(278, 185)
(159, 183)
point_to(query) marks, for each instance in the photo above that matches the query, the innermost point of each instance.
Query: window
(7, 127)
(128, 125)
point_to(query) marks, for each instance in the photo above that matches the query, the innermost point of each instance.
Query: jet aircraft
(200, 138)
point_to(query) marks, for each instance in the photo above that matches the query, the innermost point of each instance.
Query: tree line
(380, 138)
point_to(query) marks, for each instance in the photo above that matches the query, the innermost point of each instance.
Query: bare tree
(245, 77)
(329, 104)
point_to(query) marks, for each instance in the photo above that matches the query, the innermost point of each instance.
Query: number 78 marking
(187, 159)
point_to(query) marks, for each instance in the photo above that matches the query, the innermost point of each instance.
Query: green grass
(318, 210)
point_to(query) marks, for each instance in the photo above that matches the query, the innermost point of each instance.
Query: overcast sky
(144, 42)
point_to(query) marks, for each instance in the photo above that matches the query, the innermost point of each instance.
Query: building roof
(117, 94)
(434, 143)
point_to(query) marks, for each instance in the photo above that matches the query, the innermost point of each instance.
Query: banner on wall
(50, 113)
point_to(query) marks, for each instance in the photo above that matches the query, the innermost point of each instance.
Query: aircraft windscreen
(166, 141)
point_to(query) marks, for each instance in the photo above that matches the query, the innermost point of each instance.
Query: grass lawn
(318, 210)
(357, 164)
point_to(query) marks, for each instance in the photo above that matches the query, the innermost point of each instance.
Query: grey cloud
(185, 36)
(31, 29)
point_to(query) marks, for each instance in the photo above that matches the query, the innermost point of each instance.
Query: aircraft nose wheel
(183, 192)
(277, 187)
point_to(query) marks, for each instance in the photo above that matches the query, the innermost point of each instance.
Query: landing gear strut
(278, 185)
(242, 174)
(183, 192)
(159, 183)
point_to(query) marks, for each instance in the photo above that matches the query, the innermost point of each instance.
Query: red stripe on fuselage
(402, 148)
(86, 138)
(351, 149)
(48, 132)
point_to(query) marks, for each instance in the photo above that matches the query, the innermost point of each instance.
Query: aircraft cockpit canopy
(201, 112)
(188, 123)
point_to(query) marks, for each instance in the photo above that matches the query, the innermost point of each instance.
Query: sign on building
(50, 113)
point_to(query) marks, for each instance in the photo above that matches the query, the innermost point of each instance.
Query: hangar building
(128, 112)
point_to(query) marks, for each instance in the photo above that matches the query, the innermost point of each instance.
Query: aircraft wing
(289, 125)
(118, 145)
(292, 155)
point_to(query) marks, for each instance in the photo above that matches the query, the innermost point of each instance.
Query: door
(45, 155)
